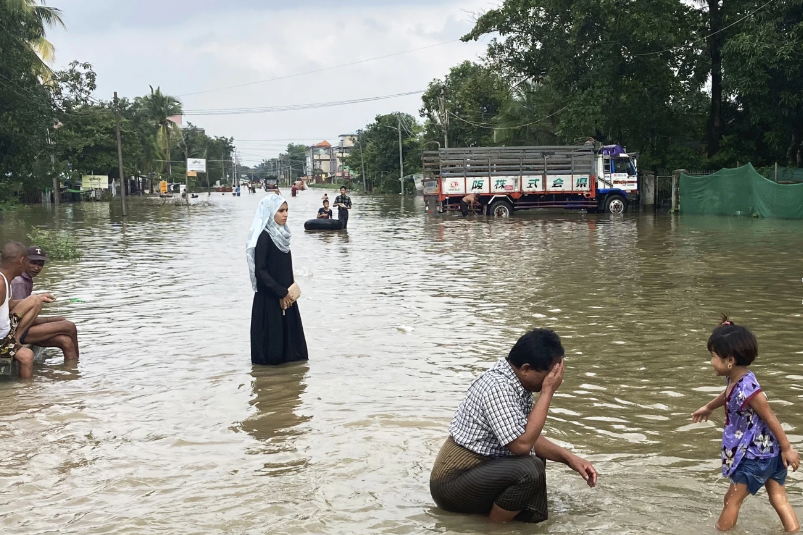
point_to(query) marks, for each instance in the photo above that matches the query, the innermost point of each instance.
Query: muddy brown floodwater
(165, 427)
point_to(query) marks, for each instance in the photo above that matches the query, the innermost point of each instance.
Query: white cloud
(215, 48)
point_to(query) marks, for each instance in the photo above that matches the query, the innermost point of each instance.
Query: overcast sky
(185, 46)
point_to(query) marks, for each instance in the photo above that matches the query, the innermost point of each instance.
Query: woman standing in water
(277, 335)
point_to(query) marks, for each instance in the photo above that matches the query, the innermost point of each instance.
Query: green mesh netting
(740, 191)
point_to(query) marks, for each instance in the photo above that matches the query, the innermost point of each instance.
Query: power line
(707, 36)
(295, 107)
(320, 70)
(496, 127)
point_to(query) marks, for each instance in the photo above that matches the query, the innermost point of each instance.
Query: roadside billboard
(197, 165)
(90, 182)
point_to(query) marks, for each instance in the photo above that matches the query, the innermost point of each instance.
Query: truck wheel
(500, 208)
(616, 204)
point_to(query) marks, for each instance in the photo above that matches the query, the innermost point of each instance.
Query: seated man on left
(12, 264)
(44, 331)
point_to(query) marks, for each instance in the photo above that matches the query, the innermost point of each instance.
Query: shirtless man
(468, 203)
(44, 331)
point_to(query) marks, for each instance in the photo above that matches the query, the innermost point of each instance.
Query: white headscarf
(264, 220)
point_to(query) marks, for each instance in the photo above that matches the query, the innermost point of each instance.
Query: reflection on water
(165, 427)
(276, 399)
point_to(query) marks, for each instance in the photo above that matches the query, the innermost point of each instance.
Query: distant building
(327, 161)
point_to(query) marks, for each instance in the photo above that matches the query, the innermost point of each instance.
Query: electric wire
(320, 70)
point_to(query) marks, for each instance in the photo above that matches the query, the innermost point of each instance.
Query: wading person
(343, 204)
(277, 335)
(755, 450)
(13, 260)
(493, 461)
(468, 204)
(45, 331)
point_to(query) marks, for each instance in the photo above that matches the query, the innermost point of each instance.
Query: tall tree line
(50, 124)
(696, 85)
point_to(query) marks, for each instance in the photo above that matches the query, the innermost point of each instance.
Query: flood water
(165, 427)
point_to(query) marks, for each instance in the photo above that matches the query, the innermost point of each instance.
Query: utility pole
(187, 170)
(444, 113)
(120, 153)
(401, 157)
(362, 164)
(56, 192)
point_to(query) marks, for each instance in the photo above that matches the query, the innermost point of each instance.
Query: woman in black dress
(277, 335)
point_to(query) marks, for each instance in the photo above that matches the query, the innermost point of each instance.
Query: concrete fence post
(676, 190)
(647, 193)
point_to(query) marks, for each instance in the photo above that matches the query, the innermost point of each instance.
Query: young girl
(755, 450)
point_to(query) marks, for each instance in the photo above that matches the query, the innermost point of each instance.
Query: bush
(57, 245)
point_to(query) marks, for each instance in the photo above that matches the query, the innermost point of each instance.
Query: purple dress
(745, 434)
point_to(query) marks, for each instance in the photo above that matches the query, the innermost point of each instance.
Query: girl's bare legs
(782, 506)
(733, 502)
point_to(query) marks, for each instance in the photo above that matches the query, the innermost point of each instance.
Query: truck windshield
(623, 165)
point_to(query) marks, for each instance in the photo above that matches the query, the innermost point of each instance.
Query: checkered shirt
(494, 412)
(343, 199)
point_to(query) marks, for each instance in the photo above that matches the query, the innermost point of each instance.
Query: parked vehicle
(522, 178)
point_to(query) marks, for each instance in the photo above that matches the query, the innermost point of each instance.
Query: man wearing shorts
(45, 331)
(493, 461)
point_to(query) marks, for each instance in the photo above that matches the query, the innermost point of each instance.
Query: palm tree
(37, 19)
(529, 117)
(160, 109)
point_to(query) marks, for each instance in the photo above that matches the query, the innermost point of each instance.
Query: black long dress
(276, 338)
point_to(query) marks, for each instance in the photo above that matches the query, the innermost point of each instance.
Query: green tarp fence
(740, 191)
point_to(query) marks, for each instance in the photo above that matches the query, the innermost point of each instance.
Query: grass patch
(57, 245)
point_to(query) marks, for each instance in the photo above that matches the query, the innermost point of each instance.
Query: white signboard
(454, 186)
(559, 183)
(90, 182)
(532, 184)
(196, 164)
(504, 184)
(479, 184)
(582, 183)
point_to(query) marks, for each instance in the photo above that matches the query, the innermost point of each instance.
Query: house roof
(323, 143)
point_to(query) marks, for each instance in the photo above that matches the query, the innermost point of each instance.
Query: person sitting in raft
(493, 461)
(277, 335)
(54, 331)
(325, 212)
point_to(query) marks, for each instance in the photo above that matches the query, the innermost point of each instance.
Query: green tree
(618, 71)
(764, 74)
(459, 108)
(160, 108)
(380, 141)
(26, 108)
(36, 19)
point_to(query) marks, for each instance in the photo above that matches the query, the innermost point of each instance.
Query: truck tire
(615, 204)
(500, 208)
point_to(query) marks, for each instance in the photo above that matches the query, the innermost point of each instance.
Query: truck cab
(617, 178)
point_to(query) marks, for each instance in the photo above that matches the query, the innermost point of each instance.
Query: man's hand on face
(554, 378)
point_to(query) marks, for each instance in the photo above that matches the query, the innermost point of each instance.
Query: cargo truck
(508, 179)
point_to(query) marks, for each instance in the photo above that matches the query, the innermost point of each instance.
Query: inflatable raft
(323, 224)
